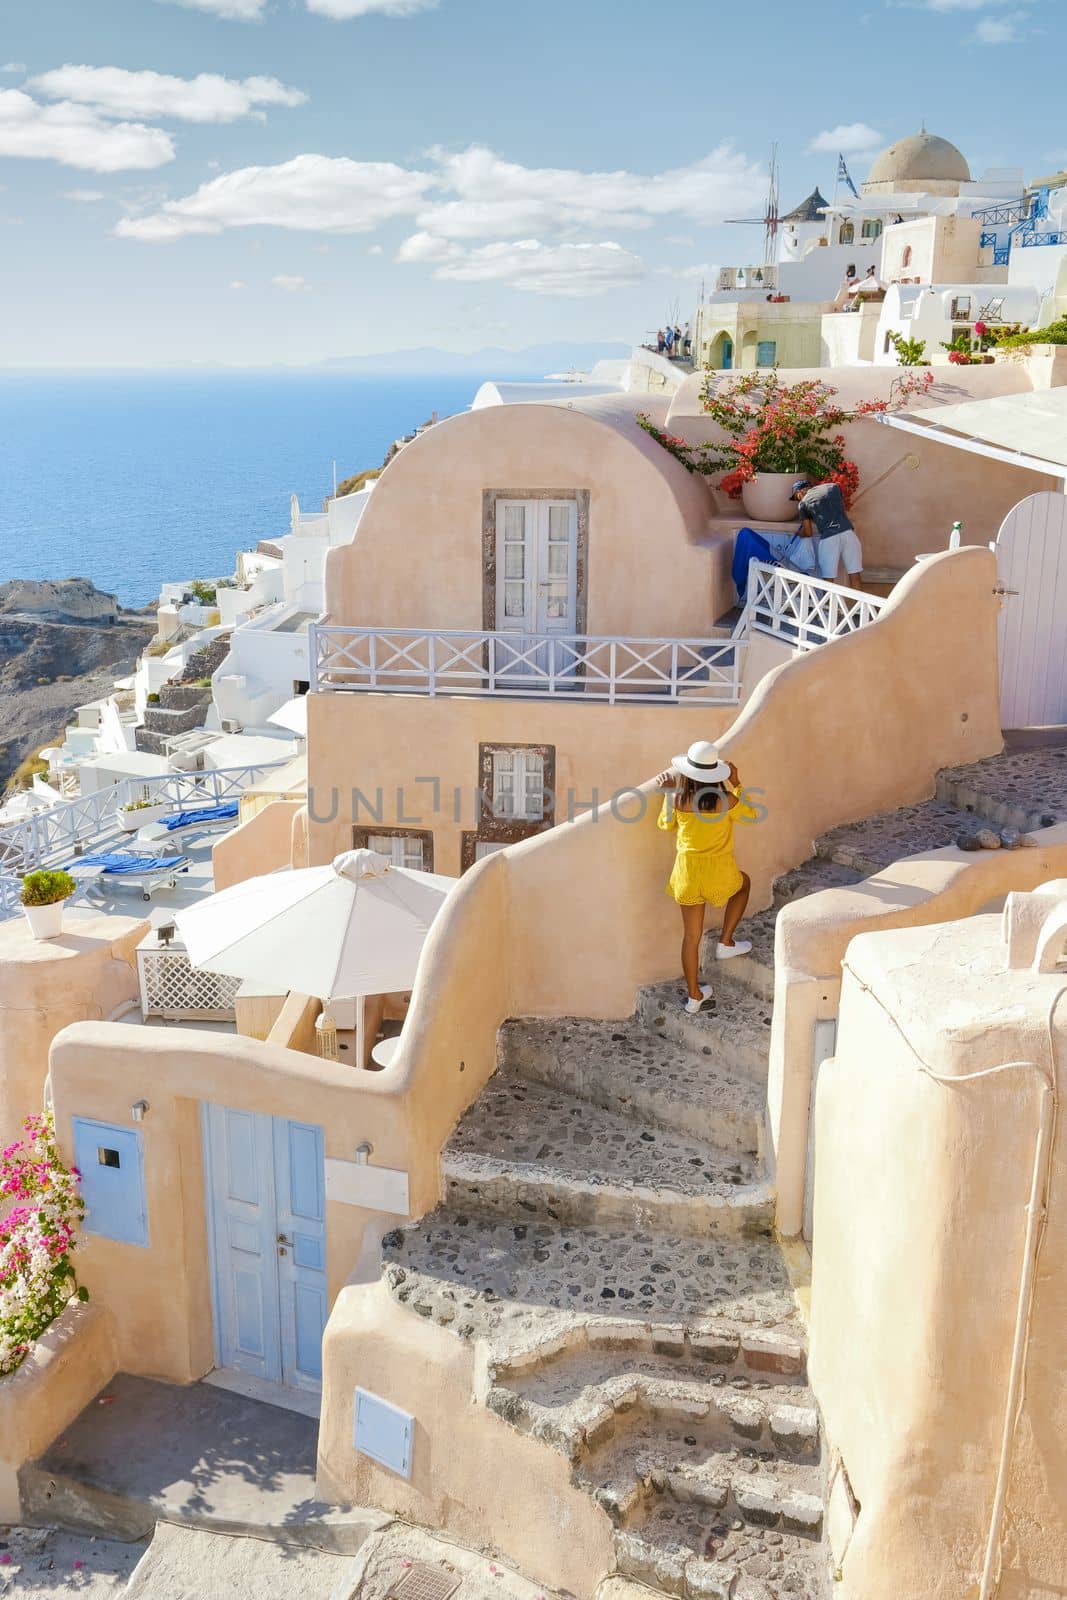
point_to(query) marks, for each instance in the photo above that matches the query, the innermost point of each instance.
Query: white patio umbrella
(292, 715)
(355, 927)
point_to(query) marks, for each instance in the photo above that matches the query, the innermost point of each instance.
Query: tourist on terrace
(668, 339)
(704, 803)
(822, 513)
(661, 342)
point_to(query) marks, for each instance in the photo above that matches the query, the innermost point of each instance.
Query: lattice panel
(171, 987)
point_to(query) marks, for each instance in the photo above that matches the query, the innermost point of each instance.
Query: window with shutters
(872, 229)
(518, 785)
(515, 791)
(405, 847)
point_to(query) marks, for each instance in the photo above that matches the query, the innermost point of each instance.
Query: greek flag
(844, 177)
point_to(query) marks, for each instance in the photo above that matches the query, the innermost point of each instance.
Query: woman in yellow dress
(702, 807)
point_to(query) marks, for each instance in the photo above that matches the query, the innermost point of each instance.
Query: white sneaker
(724, 952)
(694, 1007)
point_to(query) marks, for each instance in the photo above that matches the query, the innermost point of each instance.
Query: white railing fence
(442, 662)
(805, 611)
(47, 838)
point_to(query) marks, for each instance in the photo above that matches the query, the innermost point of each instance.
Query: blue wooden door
(727, 356)
(300, 1186)
(267, 1241)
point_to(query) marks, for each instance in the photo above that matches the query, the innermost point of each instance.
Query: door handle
(283, 1240)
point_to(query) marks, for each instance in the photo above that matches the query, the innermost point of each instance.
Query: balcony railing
(805, 611)
(535, 666)
(48, 837)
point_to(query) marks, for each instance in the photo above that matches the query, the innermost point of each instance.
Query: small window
(961, 307)
(847, 234)
(488, 847)
(518, 786)
(961, 333)
(107, 1158)
(300, 686)
(872, 229)
(403, 850)
(766, 353)
(905, 260)
(404, 847)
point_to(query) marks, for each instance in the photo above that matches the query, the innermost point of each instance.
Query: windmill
(771, 218)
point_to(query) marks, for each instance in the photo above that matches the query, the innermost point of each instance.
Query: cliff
(61, 644)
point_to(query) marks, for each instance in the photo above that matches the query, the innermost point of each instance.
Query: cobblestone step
(734, 1032)
(1026, 789)
(524, 1286)
(869, 846)
(526, 1150)
(578, 1402)
(627, 1068)
(702, 1553)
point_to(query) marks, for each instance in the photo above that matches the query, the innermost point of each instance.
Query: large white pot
(766, 497)
(46, 922)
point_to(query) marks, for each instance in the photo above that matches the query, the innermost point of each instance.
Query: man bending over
(822, 512)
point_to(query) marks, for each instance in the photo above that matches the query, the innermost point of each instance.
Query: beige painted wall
(418, 558)
(811, 937)
(262, 843)
(68, 1365)
(381, 744)
(85, 974)
(911, 490)
(529, 1509)
(920, 1212)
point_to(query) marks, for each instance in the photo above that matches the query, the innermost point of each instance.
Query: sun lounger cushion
(119, 863)
(185, 819)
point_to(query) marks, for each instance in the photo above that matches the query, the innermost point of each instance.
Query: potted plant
(139, 813)
(43, 894)
(773, 433)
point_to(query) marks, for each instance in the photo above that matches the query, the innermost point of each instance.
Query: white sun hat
(702, 763)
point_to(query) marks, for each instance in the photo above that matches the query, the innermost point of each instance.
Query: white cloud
(14, 67)
(998, 30)
(375, 250)
(345, 10)
(848, 138)
(208, 97)
(238, 283)
(311, 193)
(77, 136)
(572, 270)
(291, 282)
(704, 270)
(84, 197)
(500, 199)
(232, 10)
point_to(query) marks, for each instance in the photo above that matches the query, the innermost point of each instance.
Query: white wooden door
(266, 1203)
(1032, 575)
(537, 583)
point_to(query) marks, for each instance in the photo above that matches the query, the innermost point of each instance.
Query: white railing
(10, 893)
(48, 837)
(538, 666)
(805, 611)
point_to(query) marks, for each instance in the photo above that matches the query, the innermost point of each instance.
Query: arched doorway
(749, 349)
(721, 353)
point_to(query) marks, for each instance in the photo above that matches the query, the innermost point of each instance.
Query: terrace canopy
(1024, 430)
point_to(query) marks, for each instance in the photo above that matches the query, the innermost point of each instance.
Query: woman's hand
(667, 779)
(734, 779)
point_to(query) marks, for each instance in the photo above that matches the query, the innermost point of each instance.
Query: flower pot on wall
(141, 816)
(766, 497)
(46, 922)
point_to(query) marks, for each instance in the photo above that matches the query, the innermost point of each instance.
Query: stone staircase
(605, 1234)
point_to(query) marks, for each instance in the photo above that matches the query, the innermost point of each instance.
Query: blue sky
(262, 181)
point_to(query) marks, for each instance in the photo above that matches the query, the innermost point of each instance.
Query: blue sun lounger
(148, 873)
(188, 819)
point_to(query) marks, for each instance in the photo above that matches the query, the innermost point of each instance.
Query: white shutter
(518, 785)
(403, 850)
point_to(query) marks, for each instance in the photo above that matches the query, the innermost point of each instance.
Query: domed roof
(920, 156)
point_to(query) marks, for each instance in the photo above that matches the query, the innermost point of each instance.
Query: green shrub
(203, 592)
(1055, 333)
(357, 481)
(45, 888)
(152, 699)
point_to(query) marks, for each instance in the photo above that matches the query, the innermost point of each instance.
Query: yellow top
(705, 870)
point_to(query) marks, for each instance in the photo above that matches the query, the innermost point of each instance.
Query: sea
(135, 479)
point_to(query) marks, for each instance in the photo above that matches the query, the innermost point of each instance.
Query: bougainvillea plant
(770, 426)
(42, 1207)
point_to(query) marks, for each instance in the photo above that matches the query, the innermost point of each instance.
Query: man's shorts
(851, 552)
